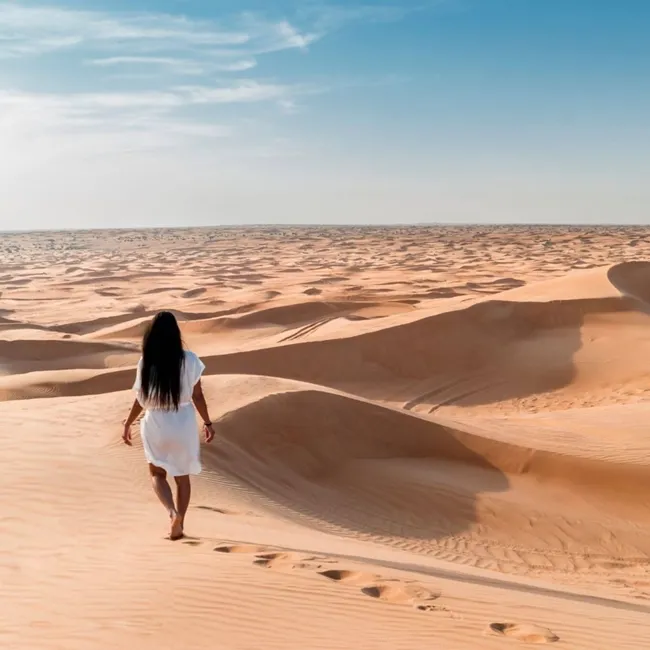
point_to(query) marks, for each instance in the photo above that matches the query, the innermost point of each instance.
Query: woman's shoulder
(193, 366)
(190, 357)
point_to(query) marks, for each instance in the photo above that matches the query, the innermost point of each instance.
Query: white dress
(171, 438)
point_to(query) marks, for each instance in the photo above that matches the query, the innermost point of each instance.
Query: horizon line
(419, 224)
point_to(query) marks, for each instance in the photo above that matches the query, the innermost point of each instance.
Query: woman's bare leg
(183, 494)
(164, 493)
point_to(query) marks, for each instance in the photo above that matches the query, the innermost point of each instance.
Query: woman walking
(168, 381)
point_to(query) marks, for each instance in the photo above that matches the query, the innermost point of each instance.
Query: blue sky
(180, 112)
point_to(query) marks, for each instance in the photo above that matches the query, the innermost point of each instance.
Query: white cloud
(288, 105)
(121, 105)
(45, 29)
(31, 31)
(41, 126)
(290, 37)
(139, 56)
(178, 66)
(242, 92)
(43, 136)
(175, 65)
(237, 66)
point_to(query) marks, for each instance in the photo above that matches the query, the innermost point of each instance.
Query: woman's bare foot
(176, 531)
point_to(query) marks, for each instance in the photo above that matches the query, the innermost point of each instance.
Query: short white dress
(171, 438)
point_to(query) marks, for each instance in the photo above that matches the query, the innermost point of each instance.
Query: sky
(183, 112)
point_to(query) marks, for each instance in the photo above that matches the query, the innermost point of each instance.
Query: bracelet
(207, 424)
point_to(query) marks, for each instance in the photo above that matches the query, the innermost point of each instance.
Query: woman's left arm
(136, 409)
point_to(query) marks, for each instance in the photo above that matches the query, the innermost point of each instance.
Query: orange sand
(427, 438)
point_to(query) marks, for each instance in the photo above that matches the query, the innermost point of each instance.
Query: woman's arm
(201, 406)
(136, 409)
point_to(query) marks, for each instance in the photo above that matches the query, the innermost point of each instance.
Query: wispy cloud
(236, 66)
(243, 92)
(94, 123)
(289, 37)
(175, 65)
(48, 28)
(147, 54)
(131, 108)
(288, 105)
(38, 127)
(146, 59)
(32, 31)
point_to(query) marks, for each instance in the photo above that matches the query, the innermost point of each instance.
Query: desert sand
(427, 438)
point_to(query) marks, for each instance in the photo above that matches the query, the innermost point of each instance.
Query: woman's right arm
(136, 409)
(201, 406)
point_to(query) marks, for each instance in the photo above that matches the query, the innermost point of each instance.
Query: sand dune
(27, 354)
(426, 438)
(343, 467)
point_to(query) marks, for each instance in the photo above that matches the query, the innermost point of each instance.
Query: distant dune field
(427, 438)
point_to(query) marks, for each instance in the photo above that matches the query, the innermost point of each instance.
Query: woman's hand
(126, 436)
(208, 429)
(136, 409)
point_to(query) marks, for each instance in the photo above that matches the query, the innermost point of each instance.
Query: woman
(168, 380)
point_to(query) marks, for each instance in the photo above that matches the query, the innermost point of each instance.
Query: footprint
(271, 560)
(288, 561)
(401, 593)
(370, 584)
(340, 575)
(239, 548)
(432, 608)
(274, 556)
(526, 633)
(391, 591)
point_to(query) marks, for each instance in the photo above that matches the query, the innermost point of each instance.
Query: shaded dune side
(287, 316)
(487, 352)
(363, 467)
(298, 313)
(24, 355)
(135, 321)
(296, 450)
(632, 279)
(67, 383)
(490, 351)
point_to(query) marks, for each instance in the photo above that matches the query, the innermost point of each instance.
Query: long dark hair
(162, 362)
